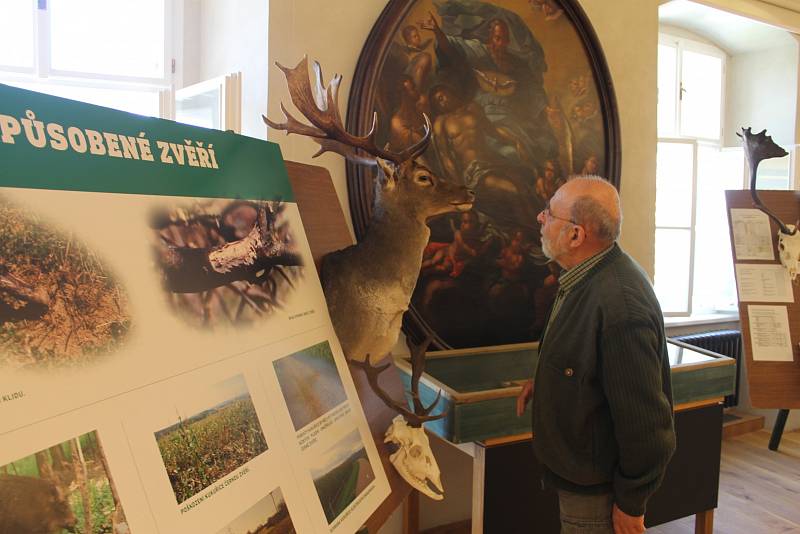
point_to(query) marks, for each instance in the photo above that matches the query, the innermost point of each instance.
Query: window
(693, 268)
(111, 53)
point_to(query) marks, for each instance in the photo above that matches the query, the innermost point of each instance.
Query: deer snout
(464, 203)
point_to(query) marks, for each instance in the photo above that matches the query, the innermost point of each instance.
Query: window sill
(701, 319)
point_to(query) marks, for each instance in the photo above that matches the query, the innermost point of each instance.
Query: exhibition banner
(167, 363)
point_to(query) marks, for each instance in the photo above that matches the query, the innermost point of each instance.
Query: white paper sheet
(763, 283)
(769, 333)
(751, 235)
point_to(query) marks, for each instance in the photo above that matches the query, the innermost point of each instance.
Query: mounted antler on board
(758, 147)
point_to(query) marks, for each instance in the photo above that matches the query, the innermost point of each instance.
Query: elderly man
(602, 400)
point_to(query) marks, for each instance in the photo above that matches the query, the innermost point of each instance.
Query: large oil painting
(519, 98)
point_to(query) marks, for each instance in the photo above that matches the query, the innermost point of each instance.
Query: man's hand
(623, 523)
(524, 397)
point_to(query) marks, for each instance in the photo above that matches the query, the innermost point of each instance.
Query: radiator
(725, 342)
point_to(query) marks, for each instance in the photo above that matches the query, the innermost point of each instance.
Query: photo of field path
(268, 516)
(340, 474)
(66, 487)
(310, 383)
(211, 434)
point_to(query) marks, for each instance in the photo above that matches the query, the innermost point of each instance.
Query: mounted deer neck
(758, 147)
(368, 285)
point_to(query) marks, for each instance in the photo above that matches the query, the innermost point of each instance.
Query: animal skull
(414, 459)
(789, 250)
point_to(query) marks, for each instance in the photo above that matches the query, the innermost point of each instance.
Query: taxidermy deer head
(758, 147)
(368, 285)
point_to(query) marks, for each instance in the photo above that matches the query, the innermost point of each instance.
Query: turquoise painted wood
(482, 387)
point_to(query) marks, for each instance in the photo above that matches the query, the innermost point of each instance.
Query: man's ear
(388, 172)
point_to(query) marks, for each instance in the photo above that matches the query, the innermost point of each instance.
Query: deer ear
(388, 176)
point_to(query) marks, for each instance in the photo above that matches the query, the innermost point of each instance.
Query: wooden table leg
(411, 513)
(704, 522)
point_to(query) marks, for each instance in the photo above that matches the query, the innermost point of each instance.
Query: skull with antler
(758, 147)
(368, 285)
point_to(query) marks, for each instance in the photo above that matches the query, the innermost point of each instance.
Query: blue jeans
(585, 514)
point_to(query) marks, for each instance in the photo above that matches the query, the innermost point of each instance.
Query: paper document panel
(752, 239)
(769, 331)
(763, 283)
(143, 304)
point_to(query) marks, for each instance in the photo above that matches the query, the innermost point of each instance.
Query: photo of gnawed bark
(59, 304)
(267, 516)
(215, 432)
(310, 383)
(65, 487)
(340, 475)
(226, 262)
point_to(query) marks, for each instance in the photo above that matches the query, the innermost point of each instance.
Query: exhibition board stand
(327, 231)
(769, 311)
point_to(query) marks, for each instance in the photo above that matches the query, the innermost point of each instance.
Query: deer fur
(368, 285)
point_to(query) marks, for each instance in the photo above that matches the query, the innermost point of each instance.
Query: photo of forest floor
(268, 516)
(310, 383)
(340, 475)
(211, 438)
(226, 262)
(59, 305)
(65, 487)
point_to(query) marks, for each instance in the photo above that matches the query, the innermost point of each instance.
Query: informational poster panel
(167, 363)
(769, 307)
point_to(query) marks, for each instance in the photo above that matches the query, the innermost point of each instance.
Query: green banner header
(48, 142)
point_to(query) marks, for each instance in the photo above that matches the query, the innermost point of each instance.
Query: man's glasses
(549, 215)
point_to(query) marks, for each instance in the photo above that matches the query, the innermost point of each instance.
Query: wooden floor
(759, 490)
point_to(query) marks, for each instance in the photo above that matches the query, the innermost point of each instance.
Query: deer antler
(321, 108)
(421, 414)
(758, 147)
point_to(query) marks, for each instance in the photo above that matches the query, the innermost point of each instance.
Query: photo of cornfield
(59, 304)
(310, 383)
(66, 487)
(267, 516)
(214, 434)
(340, 475)
(226, 262)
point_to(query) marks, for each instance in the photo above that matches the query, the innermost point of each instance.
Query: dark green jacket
(602, 405)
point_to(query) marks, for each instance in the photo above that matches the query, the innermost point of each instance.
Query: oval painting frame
(520, 96)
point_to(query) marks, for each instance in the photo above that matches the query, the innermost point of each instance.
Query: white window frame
(43, 73)
(229, 91)
(692, 227)
(682, 44)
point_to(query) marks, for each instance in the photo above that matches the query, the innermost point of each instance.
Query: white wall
(221, 37)
(761, 92)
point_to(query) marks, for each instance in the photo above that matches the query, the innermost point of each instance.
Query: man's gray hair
(588, 211)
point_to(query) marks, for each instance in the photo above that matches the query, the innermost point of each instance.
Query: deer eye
(424, 179)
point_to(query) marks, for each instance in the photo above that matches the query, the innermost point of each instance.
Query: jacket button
(568, 371)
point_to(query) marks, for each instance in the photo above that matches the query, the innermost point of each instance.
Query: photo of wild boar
(64, 488)
(31, 505)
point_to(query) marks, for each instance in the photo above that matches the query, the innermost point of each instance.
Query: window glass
(667, 89)
(201, 109)
(701, 95)
(16, 27)
(714, 282)
(673, 251)
(674, 170)
(108, 37)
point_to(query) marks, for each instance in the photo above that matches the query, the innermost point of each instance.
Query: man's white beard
(546, 249)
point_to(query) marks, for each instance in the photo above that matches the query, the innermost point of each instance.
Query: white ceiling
(733, 33)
